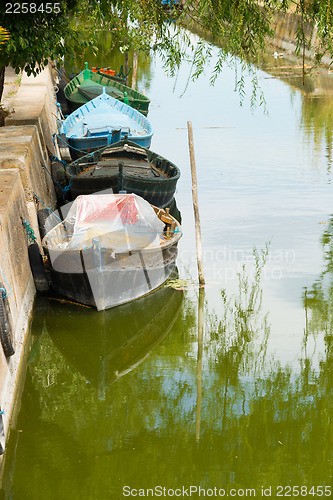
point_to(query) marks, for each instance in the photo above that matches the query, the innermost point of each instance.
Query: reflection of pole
(199, 363)
(303, 47)
(195, 205)
(135, 69)
(306, 308)
(103, 369)
(306, 317)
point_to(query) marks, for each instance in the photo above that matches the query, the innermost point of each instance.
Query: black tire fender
(42, 215)
(6, 331)
(58, 171)
(37, 268)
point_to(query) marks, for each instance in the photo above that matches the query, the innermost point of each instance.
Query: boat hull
(111, 249)
(118, 281)
(87, 85)
(144, 173)
(81, 146)
(102, 122)
(156, 194)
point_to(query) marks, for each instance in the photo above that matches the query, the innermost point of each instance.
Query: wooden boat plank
(144, 172)
(89, 92)
(126, 148)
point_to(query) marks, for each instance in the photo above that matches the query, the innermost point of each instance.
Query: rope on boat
(4, 291)
(69, 146)
(69, 185)
(55, 158)
(54, 144)
(64, 301)
(47, 208)
(63, 189)
(61, 119)
(30, 232)
(70, 71)
(180, 284)
(53, 179)
(38, 198)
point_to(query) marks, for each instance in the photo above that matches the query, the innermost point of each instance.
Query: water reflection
(201, 305)
(318, 300)
(104, 346)
(229, 412)
(73, 414)
(264, 424)
(316, 105)
(212, 410)
(239, 333)
(316, 123)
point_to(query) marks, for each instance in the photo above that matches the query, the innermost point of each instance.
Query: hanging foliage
(239, 27)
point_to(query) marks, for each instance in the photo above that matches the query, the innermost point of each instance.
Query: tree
(239, 27)
(36, 35)
(42, 31)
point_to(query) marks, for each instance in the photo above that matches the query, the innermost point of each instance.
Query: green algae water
(226, 394)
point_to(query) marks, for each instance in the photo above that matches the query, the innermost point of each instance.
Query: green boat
(87, 85)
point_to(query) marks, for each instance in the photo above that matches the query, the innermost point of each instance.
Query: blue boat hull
(101, 122)
(79, 147)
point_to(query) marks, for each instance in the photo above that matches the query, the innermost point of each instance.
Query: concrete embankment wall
(318, 82)
(24, 143)
(286, 26)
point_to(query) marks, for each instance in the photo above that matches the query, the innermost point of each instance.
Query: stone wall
(25, 141)
(286, 26)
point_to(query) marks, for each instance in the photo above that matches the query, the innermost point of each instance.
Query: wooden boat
(124, 166)
(101, 122)
(87, 85)
(110, 73)
(111, 249)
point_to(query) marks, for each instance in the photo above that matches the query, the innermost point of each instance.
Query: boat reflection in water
(105, 346)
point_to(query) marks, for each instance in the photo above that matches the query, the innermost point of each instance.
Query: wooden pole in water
(199, 361)
(195, 205)
(135, 69)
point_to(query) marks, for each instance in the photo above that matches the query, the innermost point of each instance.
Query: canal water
(133, 400)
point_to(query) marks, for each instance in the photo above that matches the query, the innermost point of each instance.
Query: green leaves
(240, 27)
(36, 37)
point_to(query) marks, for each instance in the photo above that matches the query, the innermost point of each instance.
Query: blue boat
(101, 122)
(169, 4)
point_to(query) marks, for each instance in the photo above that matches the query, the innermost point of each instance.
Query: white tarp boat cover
(121, 222)
(104, 237)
